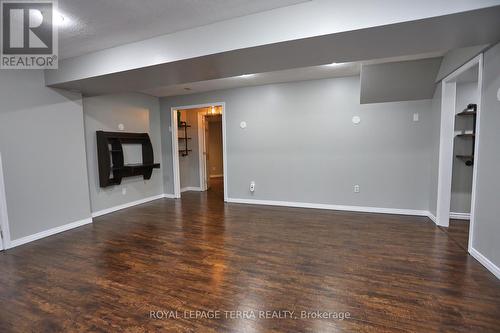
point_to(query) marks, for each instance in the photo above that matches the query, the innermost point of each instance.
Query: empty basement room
(250, 166)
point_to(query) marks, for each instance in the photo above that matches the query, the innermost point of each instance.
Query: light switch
(498, 94)
(415, 117)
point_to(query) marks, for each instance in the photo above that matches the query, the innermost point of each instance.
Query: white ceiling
(289, 75)
(98, 24)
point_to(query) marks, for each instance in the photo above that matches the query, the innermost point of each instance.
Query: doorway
(458, 155)
(210, 151)
(198, 137)
(4, 221)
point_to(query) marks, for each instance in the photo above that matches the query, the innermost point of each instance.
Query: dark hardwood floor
(391, 273)
(459, 232)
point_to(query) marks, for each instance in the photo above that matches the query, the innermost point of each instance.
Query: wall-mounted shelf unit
(470, 111)
(183, 126)
(111, 160)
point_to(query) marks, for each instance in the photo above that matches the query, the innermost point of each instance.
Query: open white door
(207, 154)
(4, 223)
(202, 150)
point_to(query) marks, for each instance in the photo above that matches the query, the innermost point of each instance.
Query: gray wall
(300, 144)
(215, 161)
(461, 185)
(487, 224)
(43, 150)
(138, 113)
(402, 81)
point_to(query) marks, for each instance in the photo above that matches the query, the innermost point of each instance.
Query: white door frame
(175, 144)
(447, 137)
(4, 217)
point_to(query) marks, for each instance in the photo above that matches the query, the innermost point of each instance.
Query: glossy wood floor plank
(459, 232)
(392, 273)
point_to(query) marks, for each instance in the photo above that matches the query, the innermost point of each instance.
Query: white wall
(43, 151)
(138, 113)
(301, 146)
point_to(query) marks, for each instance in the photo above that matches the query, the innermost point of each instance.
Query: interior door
(206, 152)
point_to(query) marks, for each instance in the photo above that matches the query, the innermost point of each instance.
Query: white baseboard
(432, 217)
(50, 232)
(485, 262)
(169, 196)
(128, 205)
(332, 207)
(460, 216)
(53, 231)
(216, 176)
(185, 189)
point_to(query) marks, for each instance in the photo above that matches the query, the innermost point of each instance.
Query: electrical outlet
(415, 117)
(356, 188)
(124, 191)
(121, 127)
(252, 186)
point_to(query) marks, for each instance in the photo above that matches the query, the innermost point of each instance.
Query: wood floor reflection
(391, 273)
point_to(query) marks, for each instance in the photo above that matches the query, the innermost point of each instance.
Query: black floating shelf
(110, 157)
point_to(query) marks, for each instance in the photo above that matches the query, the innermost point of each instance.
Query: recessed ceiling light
(61, 20)
(245, 76)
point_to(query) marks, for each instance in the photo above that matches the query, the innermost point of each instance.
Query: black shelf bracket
(111, 161)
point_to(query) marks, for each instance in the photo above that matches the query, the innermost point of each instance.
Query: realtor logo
(29, 36)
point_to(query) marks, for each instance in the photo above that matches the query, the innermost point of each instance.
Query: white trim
(191, 188)
(472, 217)
(169, 196)
(224, 152)
(396, 211)
(175, 153)
(128, 205)
(446, 145)
(446, 142)
(460, 216)
(175, 144)
(431, 217)
(216, 176)
(485, 261)
(50, 232)
(202, 160)
(4, 216)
